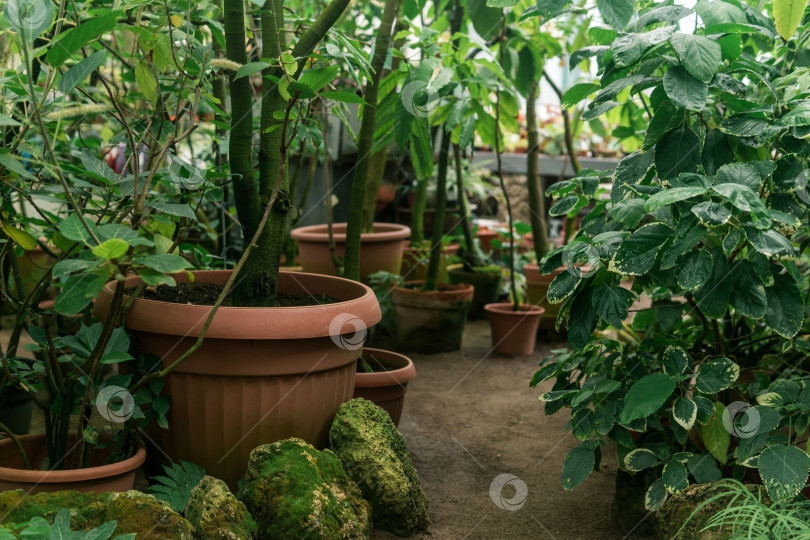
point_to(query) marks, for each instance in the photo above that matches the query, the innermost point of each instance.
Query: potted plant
(383, 242)
(382, 378)
(709, 220)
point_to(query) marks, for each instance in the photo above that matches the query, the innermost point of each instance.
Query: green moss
(443, 334)
(216, 514)
(374, 455)
(294, 490)
(134, 512)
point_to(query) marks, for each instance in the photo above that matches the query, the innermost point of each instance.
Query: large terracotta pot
(380, 250)
(99, 478)
(487, 284)
(415, 262)
(385, 388)
(514, 332)
(430, 321)
(537, 293)
(261, 375)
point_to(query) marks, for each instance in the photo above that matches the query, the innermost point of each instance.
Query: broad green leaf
(704, 468)
(72, 229)
(617, 13)
(636, 254)
(662, 14)
(769, 242)
(666, 117)
(586, 52)
(68, 266)
(699, 55)
(798, 116)
(73, 39)
(656, 495)
(748, 294)
(639, 459)
(629, 48)
(785, 309)
(677, 152)
(173, 209)
(705, 409)
(577, 93)
(747, 200)
(111, 249)
(163, 263)
(646, 396)
(19, 236)
(746, 174)
(783, 470)
(563, 286)
(81, 71)
(146, 81)
(711, 214)
(548, 8)
(578, 464)
(744, 126)
(712, 298)
(155, 278)
(695, 270)
(675, 476)
(345, 97)
(684, 90)
(421, 148)
(719, 12)
(630, 212)
(675, 360)
(716, 151)
(582, 321)
(715, 435)
(670, 196)
(611, 303)
(595, 111)
(79, 290)
(563, 206)
(787, 15)
(29, 19)
(717, 375)
(731, 48)
(250, 68)
(684, 411)
(633, 167)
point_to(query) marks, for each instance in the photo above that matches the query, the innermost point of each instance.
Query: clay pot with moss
(486, 282)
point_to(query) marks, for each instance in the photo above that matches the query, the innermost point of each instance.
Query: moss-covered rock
(134, 512)
(375, 456)
(295, 491)
(679, 507)
(216, 514)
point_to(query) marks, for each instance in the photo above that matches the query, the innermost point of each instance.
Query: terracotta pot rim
(231, 322)
(383, 232)
(440, 288)
(74, 475)
(399, 377)
(505, 308)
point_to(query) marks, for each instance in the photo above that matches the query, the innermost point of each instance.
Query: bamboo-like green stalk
(431, 281)
(470, 253)
(418, 215)
(365, 142)
(537, 201)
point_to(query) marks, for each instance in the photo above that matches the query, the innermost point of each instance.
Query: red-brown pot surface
(486, 237)
(380, 250)
(98, 478)
(385, 196)
(514, 332)
(385, 388)
(261, 375)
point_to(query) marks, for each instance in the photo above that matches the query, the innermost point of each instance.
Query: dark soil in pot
(206, 294)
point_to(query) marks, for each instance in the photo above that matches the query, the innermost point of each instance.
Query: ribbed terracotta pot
(487, 284)
(99, 478)
(430, 321)
(379, 251)
(261, 375)
(385, 388)
(514, 332)
(415, 262)
(537, 293)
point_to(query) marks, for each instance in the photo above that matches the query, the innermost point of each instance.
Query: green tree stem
(470, 253)
(365, 142)
(537, 202)
(431, 281)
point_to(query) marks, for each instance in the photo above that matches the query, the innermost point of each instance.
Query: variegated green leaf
(640, 459)
(684, 411)
(716, 375)
(636, 254)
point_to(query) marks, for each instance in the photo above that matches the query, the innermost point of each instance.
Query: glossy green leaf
(636, 254)
(684, 411)
(715, 435)
(677, 152)
(578, 464)
(717, 375)
(577, 93)
(670, 196)
(163, 263)
(656, 495)
(81, 71)
(787, 15)
(684, 90)
(699, 55)
(769, 242)
(629, 48)
(612, 303)
(711, 214)
(785, 309)
(704, 468)
(639, 459)
(783, 470)
(675, 360)
(748, 294)
(695, 270)
(646, 396)
(675, 476)
(617, 13)
(745, 199)
(73, 39)
(111, 249)
(563, 286)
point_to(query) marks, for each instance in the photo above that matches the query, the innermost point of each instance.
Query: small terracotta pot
(261, 374)
(486, 236)
(537, 293)
(430, 321)
(380, 250)
(487, 284)
(415, 262)
(385, 388)
(385, 196)
(98, 478)
(514, 332)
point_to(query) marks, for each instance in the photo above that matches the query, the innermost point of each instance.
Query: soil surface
(471, 416)
(206, 294)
